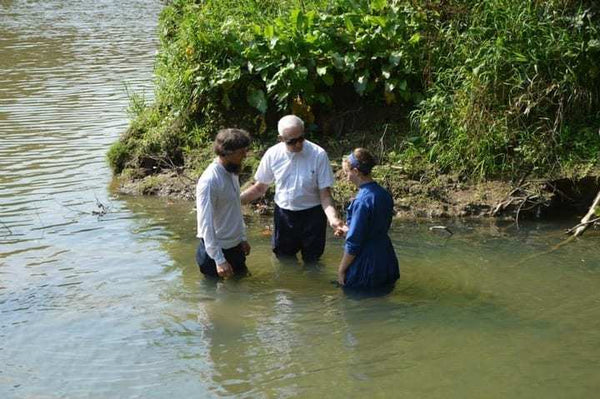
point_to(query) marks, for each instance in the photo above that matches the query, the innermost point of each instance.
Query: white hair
(289, 121)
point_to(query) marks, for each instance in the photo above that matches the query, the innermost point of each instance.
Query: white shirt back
(219, 213)
(298, 176)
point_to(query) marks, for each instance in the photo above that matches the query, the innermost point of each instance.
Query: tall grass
(516, 90)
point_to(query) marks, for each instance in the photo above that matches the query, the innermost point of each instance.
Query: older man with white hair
(303, 204)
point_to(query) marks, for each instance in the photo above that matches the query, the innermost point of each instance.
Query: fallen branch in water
(587, 220)
(102, 209)
(523, 199)
(582, 224)
(6, 227)
(441, 228)
(554, 248)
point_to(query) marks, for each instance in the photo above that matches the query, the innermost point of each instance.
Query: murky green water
(114, 306)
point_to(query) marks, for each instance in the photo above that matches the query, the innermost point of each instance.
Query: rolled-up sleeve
(204, 208)
(359, 225)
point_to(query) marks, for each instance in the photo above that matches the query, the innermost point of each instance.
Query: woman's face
(351, 174)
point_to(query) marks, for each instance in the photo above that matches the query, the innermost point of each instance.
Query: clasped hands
(339, 228)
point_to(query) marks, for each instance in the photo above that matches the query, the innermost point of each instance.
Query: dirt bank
(442, 196)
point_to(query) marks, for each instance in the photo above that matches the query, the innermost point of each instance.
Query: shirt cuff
(220, 258)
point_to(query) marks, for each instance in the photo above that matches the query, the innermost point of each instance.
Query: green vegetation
(490, 88)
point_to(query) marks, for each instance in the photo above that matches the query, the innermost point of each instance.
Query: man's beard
(233, 167)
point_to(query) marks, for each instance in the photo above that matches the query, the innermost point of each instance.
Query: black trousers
(235, 256)
(302, 231)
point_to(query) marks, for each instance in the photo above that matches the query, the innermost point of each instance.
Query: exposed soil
(442, 197)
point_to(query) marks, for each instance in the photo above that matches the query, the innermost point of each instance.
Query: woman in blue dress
(369, 261)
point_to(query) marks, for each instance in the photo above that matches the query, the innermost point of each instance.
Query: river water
(114, 306)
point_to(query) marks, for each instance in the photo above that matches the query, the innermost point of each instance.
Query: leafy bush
(118, 154)
(494, 87)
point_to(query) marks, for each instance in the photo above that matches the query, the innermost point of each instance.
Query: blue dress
(369, 218)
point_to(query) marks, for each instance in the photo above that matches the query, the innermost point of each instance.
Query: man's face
(293, 139)
(233, 161)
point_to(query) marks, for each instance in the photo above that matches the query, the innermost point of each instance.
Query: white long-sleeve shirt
(218, 211)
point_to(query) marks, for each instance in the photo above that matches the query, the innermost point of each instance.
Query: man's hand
(224, 270)
(339, 228)
(245, 247)
(341, 231)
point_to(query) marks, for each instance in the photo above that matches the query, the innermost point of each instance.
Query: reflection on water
(115, 305)
(466, 319)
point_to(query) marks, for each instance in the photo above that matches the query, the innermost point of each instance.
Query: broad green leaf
(273, 42)
(385, 72)
(302, 72)
(351, 60)
(328, 79)
(402, 85)
(310, 38)
(338, 61)
(322, 71)
(257, 98)
(378, 20)
(269, 31)
(349, 24)
(414, 39)
(297, 19)
(597, 211)
(390, 86)
(395, 58)
(361, 84)
(378, 5)
(310, 19)
(271, 85)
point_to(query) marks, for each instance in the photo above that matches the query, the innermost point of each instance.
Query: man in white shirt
(223, 247)
(303, 204)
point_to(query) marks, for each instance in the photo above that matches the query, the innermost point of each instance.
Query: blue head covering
(355, 164)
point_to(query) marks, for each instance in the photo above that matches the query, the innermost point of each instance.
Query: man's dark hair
(231, 140)
(365, 159)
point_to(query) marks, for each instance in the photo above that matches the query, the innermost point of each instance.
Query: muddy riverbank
(443, 196)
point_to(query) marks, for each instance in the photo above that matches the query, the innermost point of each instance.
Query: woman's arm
(344, 264)
(357, 234)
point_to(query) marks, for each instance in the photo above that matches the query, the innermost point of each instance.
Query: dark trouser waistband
(302, 231)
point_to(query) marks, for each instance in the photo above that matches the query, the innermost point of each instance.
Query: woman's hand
(341, 230)
(341, 277)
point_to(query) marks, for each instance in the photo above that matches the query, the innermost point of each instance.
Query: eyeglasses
(294, 140)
